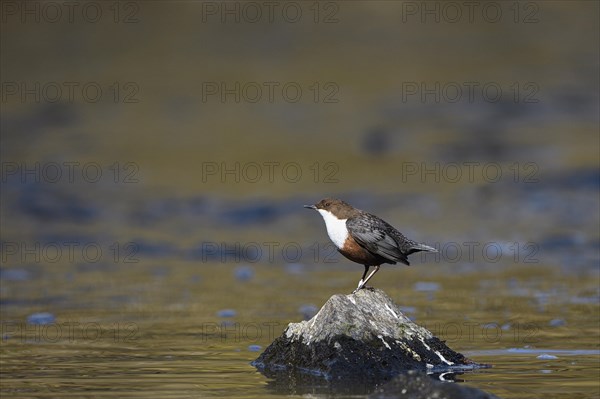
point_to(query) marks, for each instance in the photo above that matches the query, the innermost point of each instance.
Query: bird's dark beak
(310, 207)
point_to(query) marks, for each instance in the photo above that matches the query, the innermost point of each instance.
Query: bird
(365, 238)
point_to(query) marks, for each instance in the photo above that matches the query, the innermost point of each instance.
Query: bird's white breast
(336, 228)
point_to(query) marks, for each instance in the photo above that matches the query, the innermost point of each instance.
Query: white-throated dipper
(364, 238)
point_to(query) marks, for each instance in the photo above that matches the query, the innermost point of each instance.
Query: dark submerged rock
(363, 338)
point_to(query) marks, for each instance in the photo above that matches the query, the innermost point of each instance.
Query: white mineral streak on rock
(392, 311)
(290, 332)
(313, 320)
(409, 351)
(443, 359)
(383, 340)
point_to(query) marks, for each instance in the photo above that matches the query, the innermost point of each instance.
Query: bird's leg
(362, 280)
(364, 283)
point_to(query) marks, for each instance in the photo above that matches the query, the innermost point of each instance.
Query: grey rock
(363, 337)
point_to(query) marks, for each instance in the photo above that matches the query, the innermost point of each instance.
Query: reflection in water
(411, 383)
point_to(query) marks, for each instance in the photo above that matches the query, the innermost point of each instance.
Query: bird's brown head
(337, 207)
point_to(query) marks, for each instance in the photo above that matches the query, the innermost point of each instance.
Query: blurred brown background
(455, 123)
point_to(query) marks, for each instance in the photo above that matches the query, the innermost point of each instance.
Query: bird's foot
(360, 286)
(363, 287)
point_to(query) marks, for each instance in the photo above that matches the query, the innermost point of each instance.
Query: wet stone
(226, 313)
(41, 318)
(425, 286)
(546, 356)
(294, 268)
(364, 337)
(244, 273)
(557, 323)
(15, 274)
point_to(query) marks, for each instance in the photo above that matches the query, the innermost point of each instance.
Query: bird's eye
(327, 203)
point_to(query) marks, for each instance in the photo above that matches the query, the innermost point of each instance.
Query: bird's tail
(421, 247)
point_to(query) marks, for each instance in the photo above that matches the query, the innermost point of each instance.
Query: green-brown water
(135, 333)
(165, 237)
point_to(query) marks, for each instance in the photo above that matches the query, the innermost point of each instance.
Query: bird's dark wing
(376, 236)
